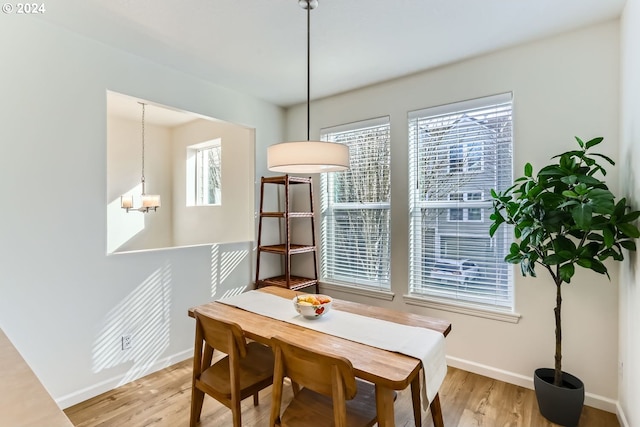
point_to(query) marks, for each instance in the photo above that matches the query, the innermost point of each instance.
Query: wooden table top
(389, 369)
(24, 402)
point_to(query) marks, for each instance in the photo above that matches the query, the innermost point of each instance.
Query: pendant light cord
(142, 178)
(308, 68)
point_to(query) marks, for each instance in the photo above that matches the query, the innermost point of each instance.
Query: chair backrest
(321, 372)
(220, 334)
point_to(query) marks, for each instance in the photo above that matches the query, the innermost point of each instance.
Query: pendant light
(308, 156)
(146, 202)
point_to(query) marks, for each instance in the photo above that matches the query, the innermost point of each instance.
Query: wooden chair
(331, 395)
(247, 368)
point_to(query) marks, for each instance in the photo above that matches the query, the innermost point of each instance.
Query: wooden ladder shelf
(286, 248)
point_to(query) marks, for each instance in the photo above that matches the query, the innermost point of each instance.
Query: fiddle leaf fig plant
(563, 218)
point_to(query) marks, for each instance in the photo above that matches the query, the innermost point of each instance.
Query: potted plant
(564, 217)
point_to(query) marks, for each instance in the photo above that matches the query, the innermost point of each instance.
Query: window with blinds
(355, 207)
(457, 154)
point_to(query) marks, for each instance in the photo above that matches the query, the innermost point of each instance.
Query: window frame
(194, 171)
(426, 225)
(330, 272)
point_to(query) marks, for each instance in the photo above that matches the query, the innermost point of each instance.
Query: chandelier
(145, 202)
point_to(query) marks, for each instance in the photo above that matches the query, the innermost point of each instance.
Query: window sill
(357, 290)
(462, 308)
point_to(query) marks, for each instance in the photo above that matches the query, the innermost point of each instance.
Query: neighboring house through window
(468, 213)
(355, 207)
(458, 153)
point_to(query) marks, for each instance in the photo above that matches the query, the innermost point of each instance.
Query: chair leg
(255, 399)
(415, 400)
(197, 398)
(237, 414)
(436, 411)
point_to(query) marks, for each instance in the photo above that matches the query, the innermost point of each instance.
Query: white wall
(133, 230)
(63, 302)
(563, 86)
(233, 220)
(629, 387)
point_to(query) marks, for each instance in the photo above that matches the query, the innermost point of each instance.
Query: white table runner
(424, 344)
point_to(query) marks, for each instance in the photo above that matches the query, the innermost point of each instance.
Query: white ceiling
(259, 46)
(128, 107)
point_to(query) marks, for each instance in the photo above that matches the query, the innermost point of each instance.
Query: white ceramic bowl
(312, 306)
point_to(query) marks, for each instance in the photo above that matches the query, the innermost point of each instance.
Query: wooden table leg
(436, 411)
(415, 399)
(384, 406)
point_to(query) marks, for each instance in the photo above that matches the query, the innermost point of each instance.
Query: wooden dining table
(389, 371)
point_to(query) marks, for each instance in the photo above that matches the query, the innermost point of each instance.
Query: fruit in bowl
(312, 306)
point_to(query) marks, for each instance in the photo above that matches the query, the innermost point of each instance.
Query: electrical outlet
(126, 342)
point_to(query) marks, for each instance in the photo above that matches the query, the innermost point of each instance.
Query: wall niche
(172, 139)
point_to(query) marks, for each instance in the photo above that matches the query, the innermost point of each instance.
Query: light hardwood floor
(163, 398)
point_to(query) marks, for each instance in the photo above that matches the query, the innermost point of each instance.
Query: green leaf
(528, 170)
(594, 141)
(629, 230)
(589, 250)
(579, 142)
(620, 208)
(598, 267)
(611, 162)
(566, 272)
(589, 180)
(628, 245)
(608, 236)
(581, 189)
(564, 255)
(630, 217)
(600, 193)
(581, 214)
(494, 227)
(552, 259)
(563, 244)
(602, 206)
(551, 171)
(569, 180)
(585, 262)
(513, 259)
(567, 203)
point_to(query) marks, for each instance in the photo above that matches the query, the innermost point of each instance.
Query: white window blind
(457, 154)
(355, 207)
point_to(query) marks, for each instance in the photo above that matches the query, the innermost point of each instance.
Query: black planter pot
(560, 405)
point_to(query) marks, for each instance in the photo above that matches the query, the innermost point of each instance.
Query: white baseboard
(622, 419)
(590, 399)
(107, 385)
